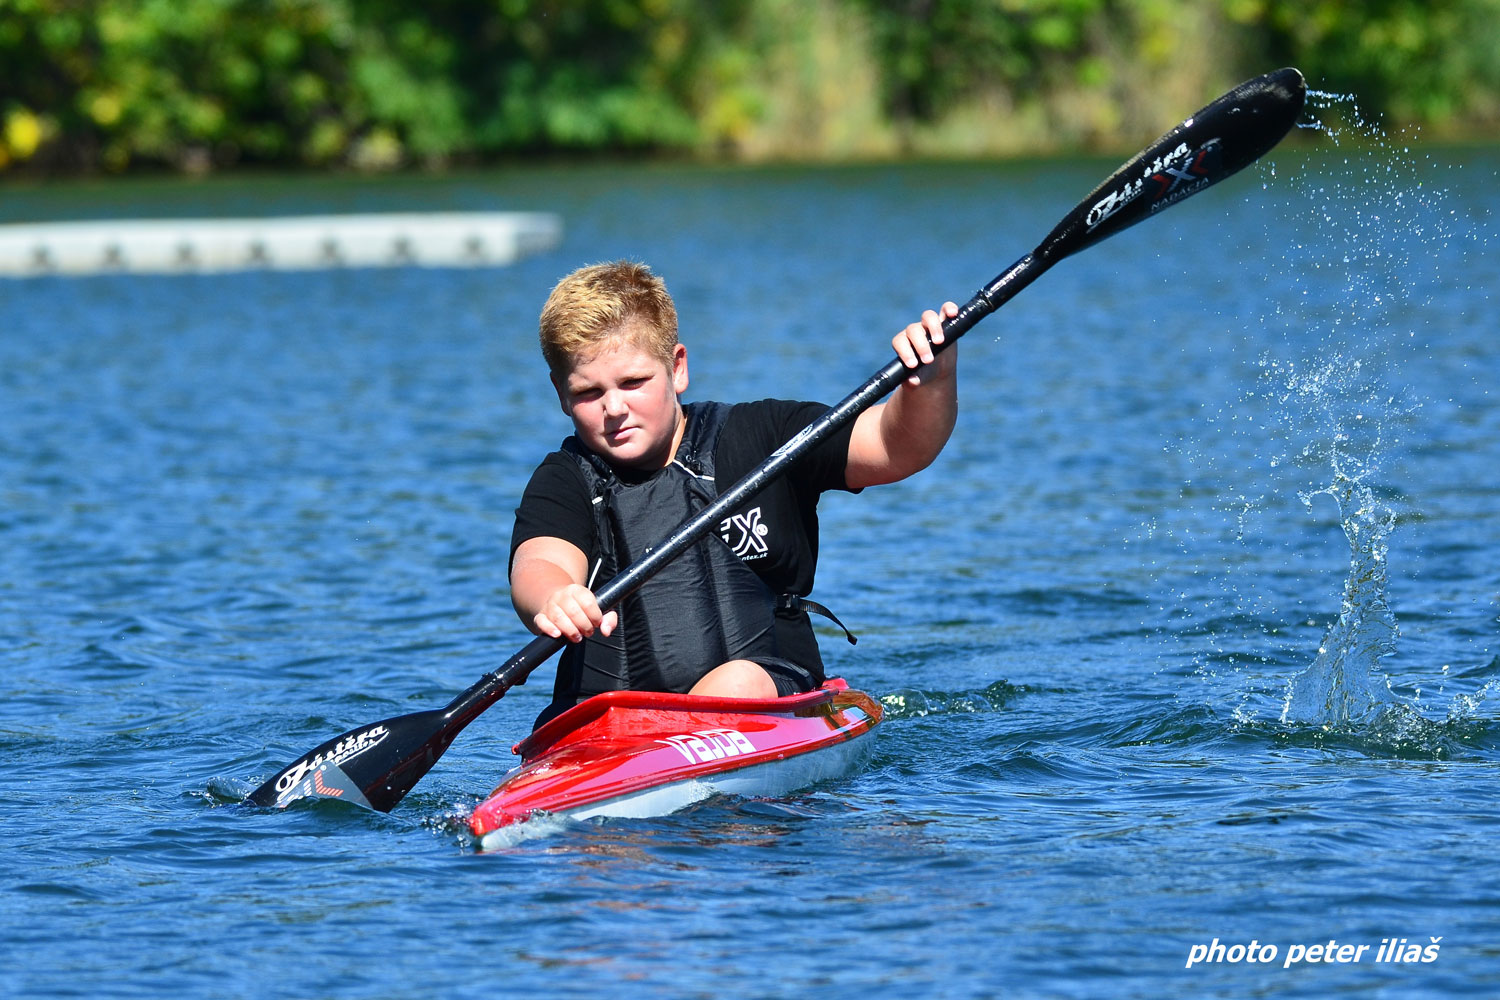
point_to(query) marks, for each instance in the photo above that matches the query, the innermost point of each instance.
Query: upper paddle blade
(373, 766)
(1222, 139)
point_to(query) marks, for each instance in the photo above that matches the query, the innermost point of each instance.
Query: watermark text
(1390, 951)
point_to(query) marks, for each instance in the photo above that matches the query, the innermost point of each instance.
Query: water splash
(913, 703)
(536, 827)
(1344, 684)
(1352, 305)
(1335, 410)
(1334, 114)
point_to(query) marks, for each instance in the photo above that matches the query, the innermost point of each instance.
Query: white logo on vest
(745, 534)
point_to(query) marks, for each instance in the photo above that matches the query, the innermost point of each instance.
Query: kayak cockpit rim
(580, 715)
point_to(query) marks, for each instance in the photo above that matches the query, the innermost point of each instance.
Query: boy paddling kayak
(728, 618)
(376, 765)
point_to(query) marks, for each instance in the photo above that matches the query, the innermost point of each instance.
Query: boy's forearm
(917, 421)
(532, 582)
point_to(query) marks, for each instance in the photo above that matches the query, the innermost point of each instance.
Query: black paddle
(376, 765)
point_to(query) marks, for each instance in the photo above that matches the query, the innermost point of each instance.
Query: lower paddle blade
(329, 781)
(372, 766)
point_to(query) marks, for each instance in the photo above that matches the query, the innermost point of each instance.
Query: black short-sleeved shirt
(775, 531)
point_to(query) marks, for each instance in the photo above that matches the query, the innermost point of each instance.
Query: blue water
(1189, 634)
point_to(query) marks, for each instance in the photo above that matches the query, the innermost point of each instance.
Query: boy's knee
(736, 679)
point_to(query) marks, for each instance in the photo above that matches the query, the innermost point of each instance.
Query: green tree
(379, 84)
(1429, 62)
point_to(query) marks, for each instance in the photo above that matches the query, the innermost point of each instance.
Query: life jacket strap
(795, 602)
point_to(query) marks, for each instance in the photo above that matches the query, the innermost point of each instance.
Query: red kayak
(640, 753)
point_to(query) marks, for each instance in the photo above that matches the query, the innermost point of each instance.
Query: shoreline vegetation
(112, 87)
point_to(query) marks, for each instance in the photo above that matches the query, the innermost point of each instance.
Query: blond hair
(595, 303)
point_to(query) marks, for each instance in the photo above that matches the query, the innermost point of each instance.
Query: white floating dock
(174, 246)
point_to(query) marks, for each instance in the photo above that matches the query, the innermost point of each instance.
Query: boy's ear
(679, 369)
(561, 387)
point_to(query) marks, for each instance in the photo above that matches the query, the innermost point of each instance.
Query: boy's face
(623, 402)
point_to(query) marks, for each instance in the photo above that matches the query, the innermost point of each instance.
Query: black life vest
(704, 608)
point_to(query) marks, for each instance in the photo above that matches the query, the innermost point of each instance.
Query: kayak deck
(639, 753)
